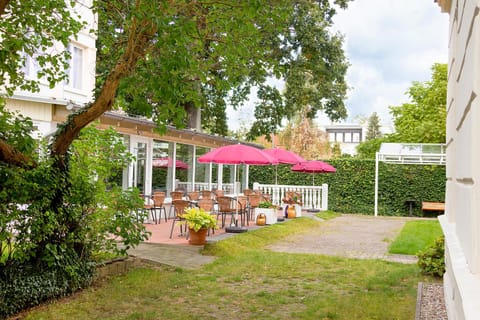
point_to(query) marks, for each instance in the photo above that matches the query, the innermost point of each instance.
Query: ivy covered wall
(352, 187)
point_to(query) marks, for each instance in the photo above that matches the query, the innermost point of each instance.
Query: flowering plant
(292, 200)
(266, 205)
(197, 218)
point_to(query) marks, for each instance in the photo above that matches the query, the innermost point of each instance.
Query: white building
(461, 222)
(42, 106)
(349, 135)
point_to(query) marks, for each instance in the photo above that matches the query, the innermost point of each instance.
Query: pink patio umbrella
(284, 156)
(167, 163)
(237, 154)
(313, 166)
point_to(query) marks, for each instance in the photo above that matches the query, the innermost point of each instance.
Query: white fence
(199, 186)
(313, 197)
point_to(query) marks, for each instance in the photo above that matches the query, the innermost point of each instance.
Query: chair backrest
(180, 205)
(206, 194)
(193, 195)
(176, 195)
(247, 192)
(219, 193)
(206, 204)
(225, 204)
(267, 197)
(158, 199)
(254, 200)
(242, 201)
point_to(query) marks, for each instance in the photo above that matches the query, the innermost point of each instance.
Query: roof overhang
(413, 153)
(144, 127)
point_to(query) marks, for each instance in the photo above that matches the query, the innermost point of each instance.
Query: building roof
(412, 153)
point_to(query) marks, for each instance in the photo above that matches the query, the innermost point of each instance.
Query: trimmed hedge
(23, 286)
(352, 187)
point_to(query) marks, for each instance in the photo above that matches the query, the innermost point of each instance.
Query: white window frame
(31, 67)
(76, 67)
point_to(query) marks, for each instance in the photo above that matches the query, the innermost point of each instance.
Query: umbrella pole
(276, 182)
(234, 228)
(313, 185)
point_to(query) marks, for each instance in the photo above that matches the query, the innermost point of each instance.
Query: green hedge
(352, 187)
(25, 286)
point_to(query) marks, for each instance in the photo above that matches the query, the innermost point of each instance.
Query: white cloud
(389, 44)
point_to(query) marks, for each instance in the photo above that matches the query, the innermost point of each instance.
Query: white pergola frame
(408, 153)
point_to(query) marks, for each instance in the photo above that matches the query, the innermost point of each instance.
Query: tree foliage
(423, 120)
(33, 28)
(227, 48)
(373, 127)
(304, 138)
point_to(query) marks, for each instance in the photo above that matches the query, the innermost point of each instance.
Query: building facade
(348, 136)
(461, 222)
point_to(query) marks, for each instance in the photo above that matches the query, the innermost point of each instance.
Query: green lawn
(249, 282)
(327, 215)
(416, 236)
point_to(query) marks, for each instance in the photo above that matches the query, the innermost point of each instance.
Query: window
(348, 137)
(331, 136)
(75, 69)
(30, 67)
(356, 137)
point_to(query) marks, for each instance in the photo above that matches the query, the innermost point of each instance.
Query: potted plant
(269, 210)
(294, 200)
(198, 222)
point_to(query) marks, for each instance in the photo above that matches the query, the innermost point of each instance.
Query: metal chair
(179, 206)
(159, 204)
(232, 206)
(253, 202)
(175, 195)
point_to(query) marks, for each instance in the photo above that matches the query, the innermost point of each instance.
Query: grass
(327, 215)
(416, 236)
(250, 282)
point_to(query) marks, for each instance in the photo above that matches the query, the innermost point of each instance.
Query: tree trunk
(138, 44)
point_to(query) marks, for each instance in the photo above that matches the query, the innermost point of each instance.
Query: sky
(389, 44)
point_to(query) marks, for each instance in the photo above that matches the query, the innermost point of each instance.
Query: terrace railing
(313, 197)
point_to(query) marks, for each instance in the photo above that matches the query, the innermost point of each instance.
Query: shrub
(432, 260)
(23, 286)
(352, 187)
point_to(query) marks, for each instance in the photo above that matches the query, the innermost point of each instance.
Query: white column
(194, 162)
(376, 185)
(174, 159)
(220, 176)
(324, 197)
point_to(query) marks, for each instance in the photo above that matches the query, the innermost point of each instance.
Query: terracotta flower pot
(198, 237)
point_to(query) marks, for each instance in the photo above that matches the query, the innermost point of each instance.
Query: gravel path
(351, 236)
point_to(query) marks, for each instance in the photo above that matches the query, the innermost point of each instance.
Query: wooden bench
(433, 206)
